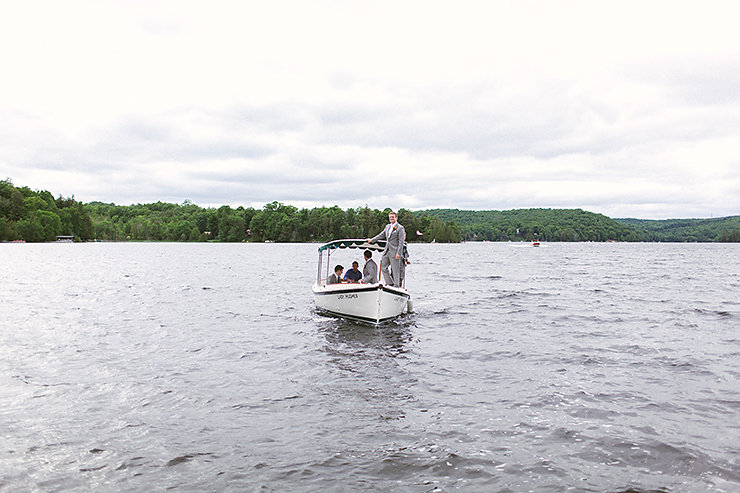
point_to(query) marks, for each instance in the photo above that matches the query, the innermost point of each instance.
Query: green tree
(32, 204)
(11, 201)
(184, 231)
(7, 230)
(30, 230)
(730, 235)
(232, 228)
(50, 223)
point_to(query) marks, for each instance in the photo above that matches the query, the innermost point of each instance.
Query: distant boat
(365, 302)
(65, 239)
(535, 242)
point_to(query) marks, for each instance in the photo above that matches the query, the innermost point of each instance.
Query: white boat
(365, 302)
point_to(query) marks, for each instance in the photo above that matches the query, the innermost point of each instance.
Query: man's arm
(377, 236)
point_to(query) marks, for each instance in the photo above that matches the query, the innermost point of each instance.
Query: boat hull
(373, 303)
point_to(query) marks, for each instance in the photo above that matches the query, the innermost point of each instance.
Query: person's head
(338, 269)
(368, 254)
(355, 265)
(392, 217)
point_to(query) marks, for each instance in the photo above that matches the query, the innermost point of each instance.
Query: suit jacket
(333, 279)
(394, 234)
(370, 272)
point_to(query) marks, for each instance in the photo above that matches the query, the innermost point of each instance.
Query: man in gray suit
(394, 234)
(336, 278)
(370, 271)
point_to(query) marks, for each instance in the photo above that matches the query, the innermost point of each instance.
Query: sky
(628, 108)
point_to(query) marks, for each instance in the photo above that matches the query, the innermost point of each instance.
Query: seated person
(336, 278)
(354, 274)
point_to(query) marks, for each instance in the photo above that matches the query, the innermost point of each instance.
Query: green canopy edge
(353, 243)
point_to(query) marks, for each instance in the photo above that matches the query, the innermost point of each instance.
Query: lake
(203, 367)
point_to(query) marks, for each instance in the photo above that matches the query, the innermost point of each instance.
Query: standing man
(394, 235)
(370, 271)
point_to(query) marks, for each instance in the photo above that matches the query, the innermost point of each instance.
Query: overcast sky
(630, 109)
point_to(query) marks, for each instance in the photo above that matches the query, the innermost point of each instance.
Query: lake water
(203, 367)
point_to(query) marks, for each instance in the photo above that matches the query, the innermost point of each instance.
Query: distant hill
(544, 224)
(723, 229)
(580, 225)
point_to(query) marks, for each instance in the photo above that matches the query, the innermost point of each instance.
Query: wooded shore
(36, 216)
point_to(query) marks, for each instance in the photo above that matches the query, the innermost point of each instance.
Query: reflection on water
(390, 336)
(364, 360)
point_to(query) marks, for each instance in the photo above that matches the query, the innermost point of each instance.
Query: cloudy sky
(630, 109)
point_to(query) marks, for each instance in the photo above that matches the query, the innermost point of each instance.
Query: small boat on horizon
(365, 302)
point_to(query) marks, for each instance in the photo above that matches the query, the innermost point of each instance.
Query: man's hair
(368, 254)
(338, 268)
(394, 213)
(355, 263)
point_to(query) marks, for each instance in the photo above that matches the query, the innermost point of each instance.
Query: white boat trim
(373, 303)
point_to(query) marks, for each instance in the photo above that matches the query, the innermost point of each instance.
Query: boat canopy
(353, 243)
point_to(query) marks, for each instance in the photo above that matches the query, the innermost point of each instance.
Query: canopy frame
(378, 246)
(353, 243)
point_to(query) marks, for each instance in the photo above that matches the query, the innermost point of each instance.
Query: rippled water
(203, 367)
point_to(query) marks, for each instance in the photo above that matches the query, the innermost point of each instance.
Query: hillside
(724, 229)
(545, 224)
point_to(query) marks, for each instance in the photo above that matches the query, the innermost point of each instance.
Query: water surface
(203, 367)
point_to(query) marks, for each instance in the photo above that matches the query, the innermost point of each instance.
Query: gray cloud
(620, 127)
(694, 81)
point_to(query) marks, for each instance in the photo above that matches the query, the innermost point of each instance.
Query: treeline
(543, 224)
(274, 222)
(723, 229)
(31, 215)
(35, 215)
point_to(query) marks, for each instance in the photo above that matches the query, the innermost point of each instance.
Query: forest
(36, 216)
(722, 229)
(274, 222)
(543, 224)
(580, 225)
